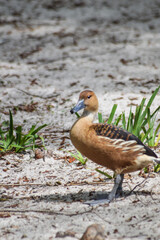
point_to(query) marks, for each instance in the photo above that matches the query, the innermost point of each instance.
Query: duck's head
(87, 101)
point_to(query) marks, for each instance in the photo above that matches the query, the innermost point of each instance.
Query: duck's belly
(108, 157)
(96, 153)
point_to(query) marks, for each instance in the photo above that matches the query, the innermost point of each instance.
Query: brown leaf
(4, 215)
(71, 159)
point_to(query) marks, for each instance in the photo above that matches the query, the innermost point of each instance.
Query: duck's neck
(80, 130)
(90, 116)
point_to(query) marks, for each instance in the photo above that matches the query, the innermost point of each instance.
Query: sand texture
(50, 50)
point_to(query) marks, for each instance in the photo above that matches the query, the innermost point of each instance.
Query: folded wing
(114, 132)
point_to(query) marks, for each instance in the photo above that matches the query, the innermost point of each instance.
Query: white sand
(52, 50)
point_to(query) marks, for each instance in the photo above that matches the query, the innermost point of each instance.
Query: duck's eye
(89, 96)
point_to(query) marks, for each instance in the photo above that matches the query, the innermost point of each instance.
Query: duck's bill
(80, 105)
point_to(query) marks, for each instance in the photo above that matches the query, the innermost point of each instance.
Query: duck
(108, 145)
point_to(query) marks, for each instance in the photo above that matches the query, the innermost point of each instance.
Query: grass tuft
(13, 139)
(141, 122)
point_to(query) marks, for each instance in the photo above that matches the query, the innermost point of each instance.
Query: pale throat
(90, 115)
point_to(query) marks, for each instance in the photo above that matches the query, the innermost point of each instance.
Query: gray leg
(117, 188)
(116, 191)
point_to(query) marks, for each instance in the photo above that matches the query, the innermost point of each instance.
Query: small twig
(51, 185)
(152, 196)
(44, 212)
(23, 185)
(101, 217)
(35, 95)
(138, 185)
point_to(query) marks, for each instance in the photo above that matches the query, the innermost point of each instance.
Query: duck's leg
(116, 191)
(117, 188)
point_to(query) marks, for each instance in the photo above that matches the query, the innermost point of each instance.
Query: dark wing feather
(114, 132)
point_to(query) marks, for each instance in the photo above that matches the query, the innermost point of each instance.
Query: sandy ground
(49, 52)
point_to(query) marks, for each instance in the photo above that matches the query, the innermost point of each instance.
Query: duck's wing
(114, 132)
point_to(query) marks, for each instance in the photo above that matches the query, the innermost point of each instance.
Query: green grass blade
(31, 130)
(157, 128)
(18, 135)
(100, 118)
(141, 106)
(26, 139)
(111, 116)
(10, 125)
(155, 112)
(38, 129)
(9, 142)
(31, 134)
(155, 133)
(116, 122)
(43, 142)
(152, 97)
(146, 134)
(157, 168)
(130, 121)
(78, 116)
(138, 118)
(152, 115)
(150, 102)
(123, 120)
(158, 139)
(17, 146)
(104, 173)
